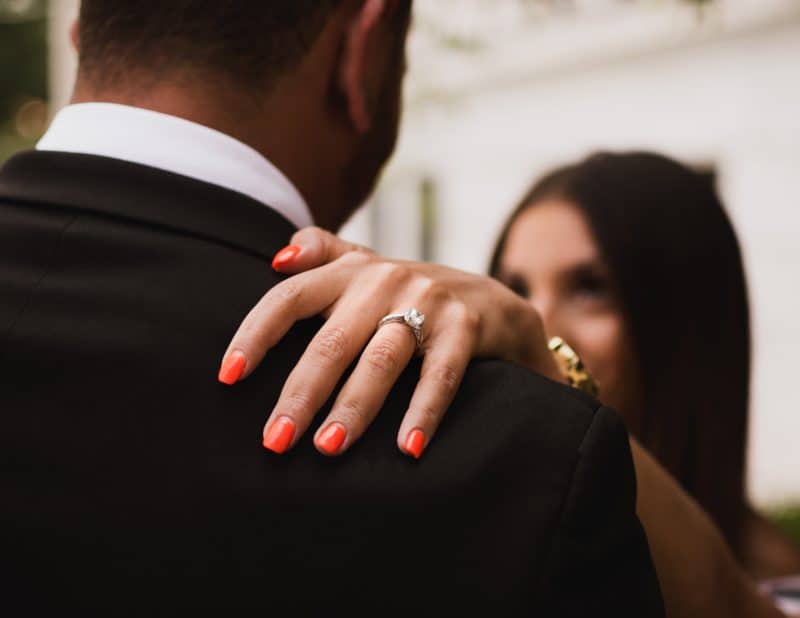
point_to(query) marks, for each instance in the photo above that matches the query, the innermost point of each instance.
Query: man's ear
(353, 67)
(75, 35)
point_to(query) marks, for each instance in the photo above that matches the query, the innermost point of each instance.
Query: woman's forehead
(550, 234)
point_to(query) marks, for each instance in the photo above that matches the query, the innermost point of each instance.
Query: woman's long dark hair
(677, 265)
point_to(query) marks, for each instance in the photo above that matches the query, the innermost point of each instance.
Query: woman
(628, 251)
(632, 259)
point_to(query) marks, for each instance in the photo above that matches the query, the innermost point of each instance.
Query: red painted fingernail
(280, 435)
(331, 439)
(415, 443)
(285, 256)
(232, 368)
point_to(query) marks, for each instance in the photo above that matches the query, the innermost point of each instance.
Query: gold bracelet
(572, 367)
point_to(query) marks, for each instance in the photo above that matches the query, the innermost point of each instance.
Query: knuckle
(447, 377)
(429, 290)
(356, 258)
(348, 412)
(427, 415)
(330, 344)
(465, 318)
(362, 252)
(392, 273)
(473, 320)
(286, 292)
(296, 404)
(365, 250)
(384, 358)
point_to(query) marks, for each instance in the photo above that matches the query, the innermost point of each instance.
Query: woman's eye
(518, 286)
(591, 286)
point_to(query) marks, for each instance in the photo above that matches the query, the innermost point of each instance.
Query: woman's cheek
(603, 346)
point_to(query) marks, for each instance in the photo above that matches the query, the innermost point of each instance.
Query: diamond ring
(411, 318)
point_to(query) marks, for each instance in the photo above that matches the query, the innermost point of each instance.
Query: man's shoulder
(515, 383)
(507, 427)
(525, 407)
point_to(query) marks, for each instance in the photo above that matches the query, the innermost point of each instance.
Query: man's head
(315, 85)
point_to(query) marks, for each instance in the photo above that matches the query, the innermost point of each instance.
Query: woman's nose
(545, 308)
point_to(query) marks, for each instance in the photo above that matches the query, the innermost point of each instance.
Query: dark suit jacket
(133, 482)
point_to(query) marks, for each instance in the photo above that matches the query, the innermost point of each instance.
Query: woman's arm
(698, 573)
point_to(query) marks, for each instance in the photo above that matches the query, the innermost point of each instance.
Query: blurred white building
(499, 92)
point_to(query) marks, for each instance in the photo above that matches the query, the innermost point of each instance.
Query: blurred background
(499, 92)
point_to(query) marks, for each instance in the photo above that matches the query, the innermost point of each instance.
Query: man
(132, 242)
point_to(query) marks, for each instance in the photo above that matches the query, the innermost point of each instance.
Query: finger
(294, 299)
(312, 247)
(362, 397)
(443, 369)
(332, 350)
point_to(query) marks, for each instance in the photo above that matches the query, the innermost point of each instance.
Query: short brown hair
(249, 41)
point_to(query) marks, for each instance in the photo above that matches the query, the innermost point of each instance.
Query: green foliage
(788, 519)
(15, 11)
(23, 64)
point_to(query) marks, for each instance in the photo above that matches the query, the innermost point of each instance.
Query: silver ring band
(411, 318)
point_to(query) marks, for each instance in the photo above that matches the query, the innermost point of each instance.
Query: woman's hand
(467, 316)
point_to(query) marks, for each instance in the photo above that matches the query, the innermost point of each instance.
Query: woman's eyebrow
(594, 265)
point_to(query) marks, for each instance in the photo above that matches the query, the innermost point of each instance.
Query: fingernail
(415, 443)
(285, 256)
(280, 435)
(232, 368)
(331, 439)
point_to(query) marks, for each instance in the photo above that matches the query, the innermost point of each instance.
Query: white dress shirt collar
(178, 146)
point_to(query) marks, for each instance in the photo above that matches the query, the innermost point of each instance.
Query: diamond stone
(414, 318)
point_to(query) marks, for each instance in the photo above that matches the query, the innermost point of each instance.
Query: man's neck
(283, 130)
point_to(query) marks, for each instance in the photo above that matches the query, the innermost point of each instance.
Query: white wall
(734, 102)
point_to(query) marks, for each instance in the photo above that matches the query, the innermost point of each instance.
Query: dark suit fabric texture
(134, 483)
